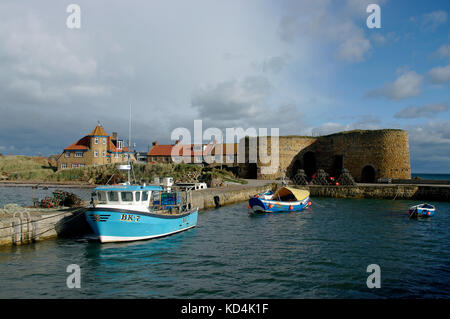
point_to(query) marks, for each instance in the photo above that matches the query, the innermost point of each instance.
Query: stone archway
(368, 174)
(296, 166)
(309, 164)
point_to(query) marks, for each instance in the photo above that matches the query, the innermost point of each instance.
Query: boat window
(138, 196)
(101, 197)
(113, 197)
(127, 196)
(144, 196)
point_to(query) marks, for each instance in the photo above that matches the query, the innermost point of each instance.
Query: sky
(305, 67)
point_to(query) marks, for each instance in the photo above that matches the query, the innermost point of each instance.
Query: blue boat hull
(421, 213)
(259, 205)
(112, 225)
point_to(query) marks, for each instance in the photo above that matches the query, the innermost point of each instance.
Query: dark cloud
(429, 110)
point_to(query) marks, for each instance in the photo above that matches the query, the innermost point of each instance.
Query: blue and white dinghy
(136, 212)
(421, 210)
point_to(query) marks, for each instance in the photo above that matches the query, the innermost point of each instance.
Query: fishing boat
(421, 210)
(126, 212)
(286, 199)
(136, 212)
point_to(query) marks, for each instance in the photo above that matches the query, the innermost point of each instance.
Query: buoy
(290, 207)
(249, 206)
(309, 203)
(270, 206)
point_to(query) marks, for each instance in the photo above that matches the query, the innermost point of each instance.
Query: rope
(396, 194)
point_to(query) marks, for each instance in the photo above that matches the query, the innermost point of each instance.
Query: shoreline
(73, 184)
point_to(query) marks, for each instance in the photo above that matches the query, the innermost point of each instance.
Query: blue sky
(306, 67)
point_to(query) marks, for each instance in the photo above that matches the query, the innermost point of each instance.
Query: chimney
(114, 136)
(155, 143)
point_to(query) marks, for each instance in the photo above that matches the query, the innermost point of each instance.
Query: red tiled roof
(161, 150)
(98, 131)
(82, 144)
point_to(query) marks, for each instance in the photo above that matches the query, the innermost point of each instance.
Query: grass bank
(34, 169)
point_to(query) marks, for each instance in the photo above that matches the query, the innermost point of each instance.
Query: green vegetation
(33, 169)
(24, 168)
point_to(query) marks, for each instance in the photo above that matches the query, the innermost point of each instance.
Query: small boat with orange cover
(286, 199)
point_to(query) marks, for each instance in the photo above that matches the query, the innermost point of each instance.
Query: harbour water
(441, 177)
(322, 252)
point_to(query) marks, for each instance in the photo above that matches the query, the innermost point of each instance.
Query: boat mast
(129, 145)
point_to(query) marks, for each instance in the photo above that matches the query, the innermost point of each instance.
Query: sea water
(321, 252)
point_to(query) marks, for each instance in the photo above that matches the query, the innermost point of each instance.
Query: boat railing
(173, 202)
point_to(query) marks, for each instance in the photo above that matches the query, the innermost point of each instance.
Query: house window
(74, 165)
(95, 153)
(230, 158)
(116, 155)
(78, 154)
(67, 154)
(104, 153)
(119, 144)
(96, 140)
(80, 165)
(104, 141)
(63, 165)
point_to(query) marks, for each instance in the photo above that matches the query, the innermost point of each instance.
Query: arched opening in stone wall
(368, 174)
(295, 167)
(338, 165)
(309, 164)
(252, 171)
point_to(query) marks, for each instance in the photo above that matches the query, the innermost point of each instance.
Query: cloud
(354, 45)
(322, 24)
(408, 84)
(421, 111)
(440, 75)
(432, 20)
(430, 146)
(444, 51)
(381, 40)
(245, 103)
(274, 64)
